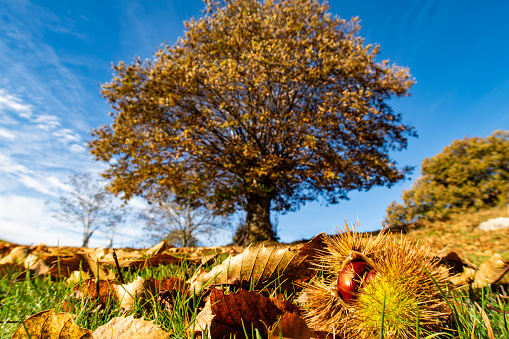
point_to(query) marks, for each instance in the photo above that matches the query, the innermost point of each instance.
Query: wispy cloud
(6, 134)
(13, 103)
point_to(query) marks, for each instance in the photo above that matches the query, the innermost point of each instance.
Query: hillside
(461, 234)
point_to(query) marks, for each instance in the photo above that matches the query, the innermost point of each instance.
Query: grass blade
(383, 318)
(484, 316)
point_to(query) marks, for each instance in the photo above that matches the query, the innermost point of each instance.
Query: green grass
(18, 300)
(21, 299)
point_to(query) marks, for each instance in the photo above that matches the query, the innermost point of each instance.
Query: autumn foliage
(262, 105)
(260, 291)
(468, 175)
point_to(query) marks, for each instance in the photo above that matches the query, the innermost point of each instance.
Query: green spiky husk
(402, 280)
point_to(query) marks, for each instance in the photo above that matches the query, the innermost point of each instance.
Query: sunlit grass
(477, 314)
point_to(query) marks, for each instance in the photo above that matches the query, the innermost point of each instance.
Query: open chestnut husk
(352, 276)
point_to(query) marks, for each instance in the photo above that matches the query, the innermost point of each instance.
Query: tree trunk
(86, 238)
(258, 226)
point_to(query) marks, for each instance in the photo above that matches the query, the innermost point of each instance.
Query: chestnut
(350, 277)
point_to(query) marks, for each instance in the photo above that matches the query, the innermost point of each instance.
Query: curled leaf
(159, 248)
(80, 261)
(493, 271)
(51, 325)
(16, 256)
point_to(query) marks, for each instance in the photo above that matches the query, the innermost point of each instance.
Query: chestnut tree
(260, 106)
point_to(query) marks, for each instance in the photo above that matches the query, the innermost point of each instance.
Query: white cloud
(67, 135)
(37, 183)
(6, 134)
(8, 165)
(28, 220)
(11, 102)
(25, 220)
(47, 122)
(77, 148)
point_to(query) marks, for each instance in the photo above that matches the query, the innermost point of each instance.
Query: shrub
(468, 175)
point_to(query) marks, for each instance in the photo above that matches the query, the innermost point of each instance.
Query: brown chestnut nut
(370, 276)
(349, 279)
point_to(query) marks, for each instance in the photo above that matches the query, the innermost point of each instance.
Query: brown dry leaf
(82, 260)
(77, 277)
(260, 264)
(88, 288)
(6, 248)
(172, 284)
(464, 278)
(156, 260)
(126, 293)
(204, 259)
(40, 267)
(486, 320)
(168, 291)
(129, 328)
(227, 315)
(493, 271)
(159, 248)
(51, 325)
(291, 326)
(16, 256)
(123, 254)
(141, 288)
(453, 261)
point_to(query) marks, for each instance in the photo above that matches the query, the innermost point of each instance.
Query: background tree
(262, 105)
(90, 205)
(468, 175)
(180, 224)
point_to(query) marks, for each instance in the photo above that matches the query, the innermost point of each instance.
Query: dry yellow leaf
(16, 256)
(50, 325)
(129, 328)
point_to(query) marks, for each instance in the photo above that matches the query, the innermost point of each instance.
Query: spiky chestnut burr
(393, 274)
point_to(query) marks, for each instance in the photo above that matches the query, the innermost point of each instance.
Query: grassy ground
(477, 314)
(461, 234)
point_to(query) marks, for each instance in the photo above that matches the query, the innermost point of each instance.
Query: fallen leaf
(127, 292)
(169, 288)
(107, 290)
(16, 256)
(493, 271)
(172, 283)
(261, 265)
(291, 326)
(159, 248)
(464, 278)
(80, 261)
(228, 315)
(156, 260)
(48, 324)
(453, 261)
(486, 320)
(6, 248)
(129, 328)
(77, 277)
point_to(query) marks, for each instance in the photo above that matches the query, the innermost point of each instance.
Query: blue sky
(54, 55)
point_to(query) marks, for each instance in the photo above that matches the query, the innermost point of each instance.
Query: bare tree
(180, 223)
(90, 205)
